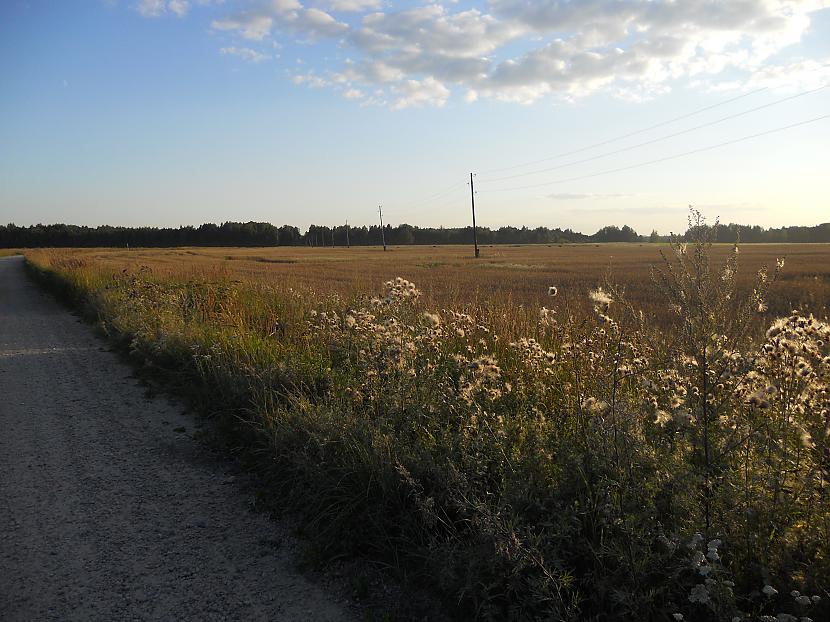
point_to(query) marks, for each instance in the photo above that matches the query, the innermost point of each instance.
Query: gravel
(107, 512)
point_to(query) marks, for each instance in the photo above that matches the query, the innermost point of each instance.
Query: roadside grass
(588, 458)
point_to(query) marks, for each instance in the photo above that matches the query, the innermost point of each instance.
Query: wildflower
(553, 291)
(547, 316)
(727, 273)
(432, 319)
(758, 400)
(661, 418)
(699, 594)
(762, 307)
(595, 406)
(601, 298)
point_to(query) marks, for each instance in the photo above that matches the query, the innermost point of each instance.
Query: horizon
(305, 231)
(573, 115)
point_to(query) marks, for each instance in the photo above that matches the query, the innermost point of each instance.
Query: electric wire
(659, 138)
(628, 135)
(663, 159)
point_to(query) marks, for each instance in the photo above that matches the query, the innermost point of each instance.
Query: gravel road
(106, 511)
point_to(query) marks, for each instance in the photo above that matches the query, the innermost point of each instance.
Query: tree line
(266, 234)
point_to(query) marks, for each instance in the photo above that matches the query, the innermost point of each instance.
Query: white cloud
(258, 22)
(526, 50)
(150, 8)
(414, 93)
(354, 94)
(179, 7)
(245, 54)
(351, 6)
(796, 76)
(157, 8)
(311, 80)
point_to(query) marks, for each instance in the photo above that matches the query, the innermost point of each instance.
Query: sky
(572, 114)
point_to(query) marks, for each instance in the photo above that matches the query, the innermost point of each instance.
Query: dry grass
(504, 276)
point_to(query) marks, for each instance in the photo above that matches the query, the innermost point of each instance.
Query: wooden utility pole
(382, 234)
(473, 202)
(347, 235)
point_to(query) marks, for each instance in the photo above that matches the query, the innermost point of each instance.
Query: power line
(664, 159)
(434, 197)
(450, 197)
(473, 203)
(659, 138)
(628, 135)
(382, 234)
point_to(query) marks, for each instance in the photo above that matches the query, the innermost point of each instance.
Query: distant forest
(266, 234)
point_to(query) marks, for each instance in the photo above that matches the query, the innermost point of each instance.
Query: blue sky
(168, 112)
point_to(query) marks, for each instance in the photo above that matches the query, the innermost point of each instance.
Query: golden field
(504, 276)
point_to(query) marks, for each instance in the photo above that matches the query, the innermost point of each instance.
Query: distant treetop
(266, 234)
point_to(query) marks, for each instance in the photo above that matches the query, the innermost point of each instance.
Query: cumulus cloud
(354, 94)
(526, 50)
(157, 8)
(258, 21)
(426, 92)
(245, 54)
(351, 6)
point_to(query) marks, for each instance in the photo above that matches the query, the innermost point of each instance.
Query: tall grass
(544, 463)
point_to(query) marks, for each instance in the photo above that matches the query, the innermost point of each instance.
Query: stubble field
(504, 276)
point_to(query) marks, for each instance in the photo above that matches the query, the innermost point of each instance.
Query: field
(504, 276)
(617, 448)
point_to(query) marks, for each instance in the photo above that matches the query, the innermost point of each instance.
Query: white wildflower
(699, 594)
(432, 319)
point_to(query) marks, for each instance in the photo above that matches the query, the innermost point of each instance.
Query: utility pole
(473, 202)
(347, 235)
(382, 234)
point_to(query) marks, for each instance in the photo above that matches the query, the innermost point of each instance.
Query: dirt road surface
(106, 511)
